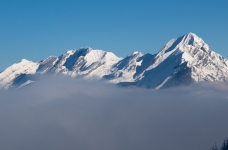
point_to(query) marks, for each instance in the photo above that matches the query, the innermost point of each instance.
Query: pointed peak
(70, 51)
(182, 43)
(135, 53)
(24, 60)
(191, 34)
(189, 39)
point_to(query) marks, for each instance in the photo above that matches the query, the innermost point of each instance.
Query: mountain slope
(8, 76)
(182, 61)
(185, 60)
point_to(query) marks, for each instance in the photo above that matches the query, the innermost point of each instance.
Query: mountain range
(182, 61)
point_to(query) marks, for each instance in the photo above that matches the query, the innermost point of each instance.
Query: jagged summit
(190, 46)
(135, 53)
(184, 60)
(184, 43)
(191, 34)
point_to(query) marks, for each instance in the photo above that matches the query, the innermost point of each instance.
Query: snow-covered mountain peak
(99, 56)
(135, 54)
(182, 60)
(85, 62)
(191, 34)
(24, 60)
(92, 55)
(191, 39)
(70, 52)
(11, 73)
(189, 43)
(81, 51)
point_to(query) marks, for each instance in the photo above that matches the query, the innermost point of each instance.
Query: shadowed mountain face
(181, 61)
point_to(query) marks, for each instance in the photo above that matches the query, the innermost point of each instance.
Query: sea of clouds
(67, 114)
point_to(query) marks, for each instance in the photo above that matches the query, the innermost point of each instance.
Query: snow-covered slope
(83, 62)
(124, 70)
(183, 60)
(8, 76)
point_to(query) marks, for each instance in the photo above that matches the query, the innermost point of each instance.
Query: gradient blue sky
(36, 29)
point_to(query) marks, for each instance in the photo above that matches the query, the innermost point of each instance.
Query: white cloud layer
(64, 114)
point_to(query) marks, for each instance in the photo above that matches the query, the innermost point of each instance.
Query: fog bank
(57, 114)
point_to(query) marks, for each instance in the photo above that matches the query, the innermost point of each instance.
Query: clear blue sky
(36, 29)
